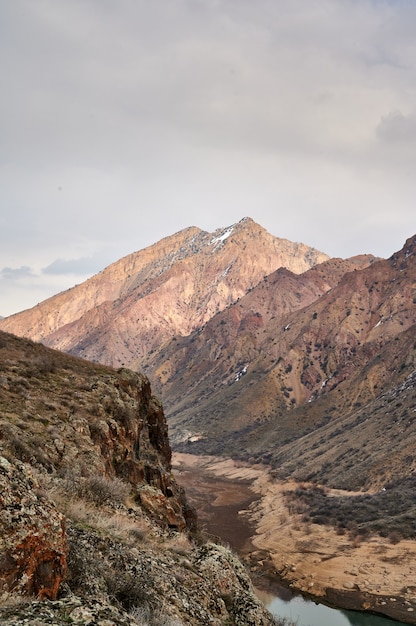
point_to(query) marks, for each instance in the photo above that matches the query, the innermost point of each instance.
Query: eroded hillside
(91, 517)
(275, 373)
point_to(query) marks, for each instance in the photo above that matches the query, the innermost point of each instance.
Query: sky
(125, 121)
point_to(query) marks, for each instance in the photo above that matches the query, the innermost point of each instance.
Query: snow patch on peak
(224, 235)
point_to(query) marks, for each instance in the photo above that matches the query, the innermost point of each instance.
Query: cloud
(121, 87)
(397, 128)
(123, 122)
(18, 273)
(82, 266)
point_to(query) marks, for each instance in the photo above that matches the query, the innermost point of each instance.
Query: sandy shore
(372, 575)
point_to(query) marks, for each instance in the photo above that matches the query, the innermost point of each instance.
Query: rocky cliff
(91, 517)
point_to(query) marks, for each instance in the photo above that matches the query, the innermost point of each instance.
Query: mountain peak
(169, 288)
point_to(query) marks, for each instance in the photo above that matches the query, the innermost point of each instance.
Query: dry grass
(109, 523)
(179, 544)
(86, 512)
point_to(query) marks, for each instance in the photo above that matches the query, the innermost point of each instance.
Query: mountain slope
(91, 517)
(248, 359)
(229, 345)
(135, 305)
(268, 370)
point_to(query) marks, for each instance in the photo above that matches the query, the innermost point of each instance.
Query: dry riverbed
(373, 575)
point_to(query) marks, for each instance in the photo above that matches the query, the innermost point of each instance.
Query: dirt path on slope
(370, 575)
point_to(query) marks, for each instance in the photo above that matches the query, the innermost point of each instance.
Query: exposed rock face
(96, 422)
(209, 586)
(231, 344)
(32, 539)
(91, 517)
(171, 288)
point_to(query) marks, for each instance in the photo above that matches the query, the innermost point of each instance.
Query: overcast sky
(123, 121)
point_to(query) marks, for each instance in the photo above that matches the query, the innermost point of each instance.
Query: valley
(288, 381)
(259, 348)
(371, 574)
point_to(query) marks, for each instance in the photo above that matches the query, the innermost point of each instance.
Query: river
(219, 502)
(306, 613)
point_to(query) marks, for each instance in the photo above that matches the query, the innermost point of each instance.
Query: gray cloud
(396, 127)
(17, 273)
(82, 266)
(123, 122)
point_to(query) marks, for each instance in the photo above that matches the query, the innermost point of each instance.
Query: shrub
(103, 490)
(390, 513)
(394, 537)
(126, 588)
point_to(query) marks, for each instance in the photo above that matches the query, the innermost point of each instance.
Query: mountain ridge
(169, 288)
(321, 362)
(310, 375)
(243, 358)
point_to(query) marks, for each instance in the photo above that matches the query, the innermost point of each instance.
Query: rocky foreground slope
(93, 526)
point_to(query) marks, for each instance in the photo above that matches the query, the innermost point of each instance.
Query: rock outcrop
(91, 517)
(32, 541)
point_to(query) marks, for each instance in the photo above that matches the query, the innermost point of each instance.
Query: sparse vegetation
(102, 490)
(81, 439)
(390, 513)
(148, 616)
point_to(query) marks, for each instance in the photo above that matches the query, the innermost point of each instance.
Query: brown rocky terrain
(309, 373)
(92, 520)
(238, 345)
(171, 288)
(323, 392)
(264, 380)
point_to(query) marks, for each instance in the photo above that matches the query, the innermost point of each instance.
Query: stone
(348, 585)
(32, 539)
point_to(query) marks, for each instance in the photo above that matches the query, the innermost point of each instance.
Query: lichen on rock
(32, 539)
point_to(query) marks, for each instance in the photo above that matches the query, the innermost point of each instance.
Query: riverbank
(373, 575)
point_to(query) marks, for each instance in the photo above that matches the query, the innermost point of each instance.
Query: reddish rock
(173, 287)
(166, 511)
(32, 535)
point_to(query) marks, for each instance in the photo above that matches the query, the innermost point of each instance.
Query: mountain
(276, 373)
(307, 367)
(257, 346)
(171, 288)
(239, 345)
(91, 517)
